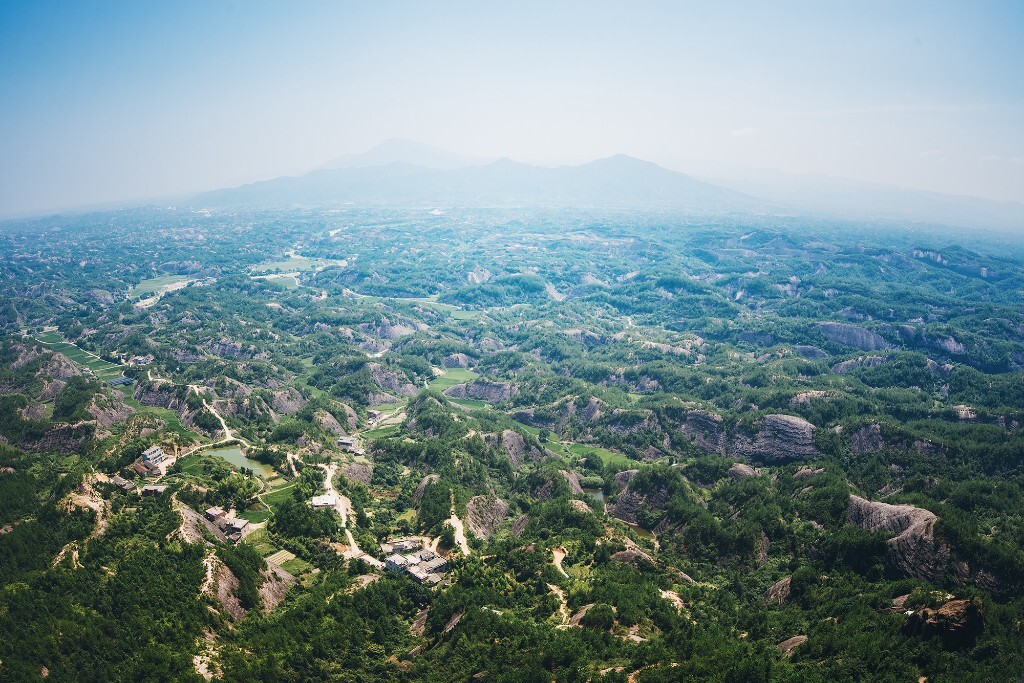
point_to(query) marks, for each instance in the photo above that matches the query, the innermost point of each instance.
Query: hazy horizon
(121, 102)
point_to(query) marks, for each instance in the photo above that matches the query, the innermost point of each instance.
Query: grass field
(607, 456)
(297, 566)
(389, 430)
(277, 496)
(299, 263)
(104, 370)
(154, 285)
(451, 377)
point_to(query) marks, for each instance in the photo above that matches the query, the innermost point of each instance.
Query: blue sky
(108, 101)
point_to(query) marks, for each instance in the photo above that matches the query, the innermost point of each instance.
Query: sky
(103, 102)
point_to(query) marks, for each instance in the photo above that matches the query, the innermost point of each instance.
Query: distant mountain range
(406, 173)
(615, 182)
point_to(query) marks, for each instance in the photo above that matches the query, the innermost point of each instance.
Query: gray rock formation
(913, 551)
(741, 470)
(422, 486)
(809, 352)
(779, 591)
(390, 381)
(706, 431)
(287, 401)
(867, 439)
(457, 360)
(857, 363)
(776, 439)
(484, 514)
(852, 335)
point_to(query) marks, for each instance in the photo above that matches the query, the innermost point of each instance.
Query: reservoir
(234, 455)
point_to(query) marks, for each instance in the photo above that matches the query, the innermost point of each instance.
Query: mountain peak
(405, 151)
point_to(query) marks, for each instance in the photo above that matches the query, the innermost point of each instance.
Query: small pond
(234, 455)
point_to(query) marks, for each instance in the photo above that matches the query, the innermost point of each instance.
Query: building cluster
(408, 555)
(228, 521)
(350, 444)
(122, 382)
(124, 484)
(153, 462)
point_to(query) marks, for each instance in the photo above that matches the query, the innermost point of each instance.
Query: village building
(154, 455)
(215, 513)
(123, 484)
(324, 501)
(153, 490)
(396, 563)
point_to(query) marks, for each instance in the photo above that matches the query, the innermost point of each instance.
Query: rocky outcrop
(573, 480)
(390, 381)
(422, 486)
(457, 360)
(787, 646)
(809, 352)
(625, 476)
(358, 471)
(852, 335)
(108, 411)
(867, 439)
(287, 401)
(484, 514)
(276, 584)
(63, 439)
(629, 501)
(860, 362)
(592, 411)
(515, 447)
(776, 439)
(957, 622)
(741, 470)
(913, 551)
(225, 348)
(779, 591)
(328, 423)
(159, 393)
(633, 557)
(706, 431)
(483, 390)
(228, 387)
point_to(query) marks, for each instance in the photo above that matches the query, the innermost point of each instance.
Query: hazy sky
(104, 101)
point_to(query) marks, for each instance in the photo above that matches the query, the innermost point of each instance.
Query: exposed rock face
(380, 398)
(482, 390)
(484, 514)
(805, 398)
(457, 360)
(276, 583)
(633, 557)
(573, 479)
(778, 439)
(592, 411)
(391, 381)
(62, 439)
(515, 447)
(108, 411)
(809, 352)
(326, 421)
(779, 591)
(706, 431)
(867, 439)
(741, 470)
(59, 367)
(857, 363)
(159, 393)
(225, 348)
(787, 646)
(625, 476)
(913, 551)
(227, 387)
(422, 486)
(630, 501)
(852, 335)
(287, 401)
(358, 471)
(630, 421)
(958, 622)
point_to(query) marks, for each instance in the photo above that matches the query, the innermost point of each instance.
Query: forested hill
(367, 444)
